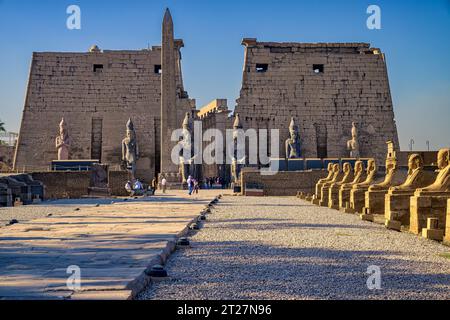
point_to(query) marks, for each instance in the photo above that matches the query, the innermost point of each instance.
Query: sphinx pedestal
(333, 197)
(374, 201)
(447, 225)
(344, 200)
(357, 199)
(396, 209)
(428, 205)
(324, 195)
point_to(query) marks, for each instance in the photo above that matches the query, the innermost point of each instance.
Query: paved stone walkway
(112, 244)
(285, 248)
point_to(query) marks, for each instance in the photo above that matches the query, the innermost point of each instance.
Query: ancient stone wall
(325, 87)
(283, 183)
(96, 93)
(60, 185)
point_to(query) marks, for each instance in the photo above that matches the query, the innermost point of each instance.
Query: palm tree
(2, 126)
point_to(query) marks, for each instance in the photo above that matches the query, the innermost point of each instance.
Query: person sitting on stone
(128, 187)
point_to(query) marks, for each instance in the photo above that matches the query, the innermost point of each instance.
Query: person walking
(196, 186)
(154, 185)
(190, 184)
(163, 185)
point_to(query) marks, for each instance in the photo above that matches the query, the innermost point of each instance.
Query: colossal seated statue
(359, 189)
(397, 200)
(344, 191)
(333, 193)
(431, 201)
(337, 176)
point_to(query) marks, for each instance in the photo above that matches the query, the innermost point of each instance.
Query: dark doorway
(96, 139)
(321, 140)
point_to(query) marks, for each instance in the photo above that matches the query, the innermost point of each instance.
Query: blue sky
(415, 37)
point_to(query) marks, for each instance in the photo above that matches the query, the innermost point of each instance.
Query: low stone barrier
(60, 185)
(283, 183)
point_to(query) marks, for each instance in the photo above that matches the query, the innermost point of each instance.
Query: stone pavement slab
(112, 244)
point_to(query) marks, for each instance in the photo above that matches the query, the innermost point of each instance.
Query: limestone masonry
(325, 87)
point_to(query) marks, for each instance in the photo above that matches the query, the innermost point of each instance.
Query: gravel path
(285, 248)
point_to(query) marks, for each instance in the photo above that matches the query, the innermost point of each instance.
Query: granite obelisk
(168, 95)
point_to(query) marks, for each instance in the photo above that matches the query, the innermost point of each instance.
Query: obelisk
(168, 94)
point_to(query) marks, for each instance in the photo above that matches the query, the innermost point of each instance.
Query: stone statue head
(293, 129)
(186, 124)
(237, 122)
(371, 166)
(336, 168)
(414, 162)
(330, 167)
(63, 128)
(130, 130)
(359, 167)
(347, 167)
(443, 158)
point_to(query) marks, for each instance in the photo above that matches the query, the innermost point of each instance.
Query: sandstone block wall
(325, 86)
(284, 183)
(96, 92)
(60, 185)
(116, 182)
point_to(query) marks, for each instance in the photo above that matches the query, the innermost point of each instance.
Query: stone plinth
(344, 199)
(396, 208)
(374, 201)
(333, 197)
(447, 225)
(357, 199)
(324, 195)
(432, 231)
(425, 206)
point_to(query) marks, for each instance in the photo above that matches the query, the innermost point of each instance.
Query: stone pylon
(168, 94)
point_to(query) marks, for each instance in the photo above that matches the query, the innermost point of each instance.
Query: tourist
(163, 185)
(196, 186)
(154, 185)
(190, 184)
(128, 187)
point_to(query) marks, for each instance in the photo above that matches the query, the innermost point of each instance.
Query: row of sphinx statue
(413, 199)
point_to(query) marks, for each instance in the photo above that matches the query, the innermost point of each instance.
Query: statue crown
(130, 125)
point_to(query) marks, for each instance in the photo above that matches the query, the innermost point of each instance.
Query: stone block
(367, 217)
(422, 210)
(433, 234)
(397, 207)
(375, 201)
(357, 199)
(393, 225)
